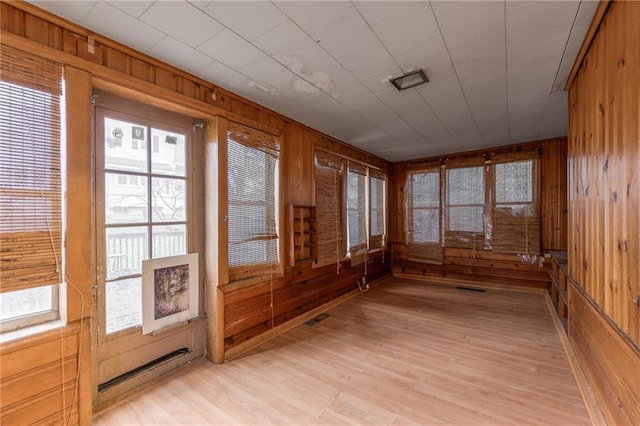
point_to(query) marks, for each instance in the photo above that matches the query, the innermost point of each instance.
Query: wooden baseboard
(590, 402)
(254, 342)
(455, 283)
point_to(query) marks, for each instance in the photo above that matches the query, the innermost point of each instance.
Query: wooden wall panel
(605, 169)
(604, 219)
(610, 361)
(483, 267)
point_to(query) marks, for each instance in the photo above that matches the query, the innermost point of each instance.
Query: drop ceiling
(496, 69)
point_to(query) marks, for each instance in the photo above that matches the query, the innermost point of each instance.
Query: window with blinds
(464, 207)
(424, 242)
(377, 219)
(515, 212)
(329, 172)
(252, 217)
(31, 204)
(356, 212)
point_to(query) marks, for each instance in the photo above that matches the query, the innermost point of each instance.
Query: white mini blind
(356, 212)
(377, 183)
(424, 236)
(253, 159)
(329, 172)
(31, 223)
(515, 214)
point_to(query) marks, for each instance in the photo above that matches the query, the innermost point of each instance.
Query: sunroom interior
(265, 212)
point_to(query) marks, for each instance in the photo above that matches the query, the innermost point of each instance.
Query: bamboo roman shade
(253, 158)
(464, 205)
(377, 183)
(329, 171)
(515, 213)
(31, 223)
(356, 212)
(424, 231)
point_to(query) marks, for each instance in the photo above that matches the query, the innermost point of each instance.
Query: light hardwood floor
(403, 353)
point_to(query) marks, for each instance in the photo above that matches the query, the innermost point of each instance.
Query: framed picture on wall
(169, 291)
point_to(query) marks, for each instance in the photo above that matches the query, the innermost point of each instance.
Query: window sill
(11, 336)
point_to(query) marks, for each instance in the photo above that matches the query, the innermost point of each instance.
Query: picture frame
(169, 291)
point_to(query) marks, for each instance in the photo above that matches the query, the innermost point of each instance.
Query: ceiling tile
(73, 11)
(448, 104)
(249, 19)
(342, 84)
(556, 116)
(368, 62)
(380, 82)
(578, 32)
(357, 99)
(285, 40)
(273, 77)
(116, 24)
(377, 12)
(183, 21)
(474, 34)
(345, 36)
(180, 55)
(412, 28)
(200, 4)
(134, 8)
(230, 49)
(314, 15)
(222, 75)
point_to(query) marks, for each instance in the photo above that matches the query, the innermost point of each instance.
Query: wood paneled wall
(244, 311)
(483, 267)
(604, 219)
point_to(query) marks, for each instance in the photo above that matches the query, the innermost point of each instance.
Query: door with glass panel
(144, 210)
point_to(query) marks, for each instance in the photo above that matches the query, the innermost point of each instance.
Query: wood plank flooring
(403, 353)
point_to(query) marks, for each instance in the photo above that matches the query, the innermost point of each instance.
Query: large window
(423, 218)
(350, 204)
(329, 172)
(252, 217)
(516, 223)
(31, 179)
(492, 206)
(145, 208)
(464, 208)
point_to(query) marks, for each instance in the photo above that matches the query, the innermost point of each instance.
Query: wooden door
(146, 177)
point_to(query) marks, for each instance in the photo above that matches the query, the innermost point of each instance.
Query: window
(423, 215)
(356, 212)
(516, 223)
(352, 194)
(377, 204)
(464, 209)
(491, 206)
(147, 218)
(252, 217)
(329, 172)
(31, 203)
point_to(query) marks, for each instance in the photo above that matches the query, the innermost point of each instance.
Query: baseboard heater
(129, 374)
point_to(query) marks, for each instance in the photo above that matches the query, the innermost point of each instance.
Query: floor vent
(314, 321)
(479, 290)
(138, 370)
